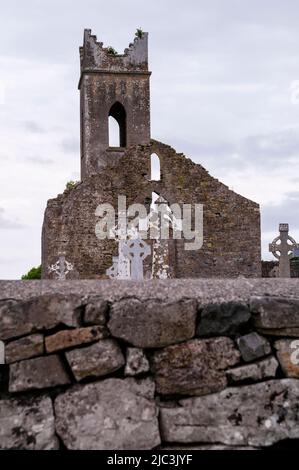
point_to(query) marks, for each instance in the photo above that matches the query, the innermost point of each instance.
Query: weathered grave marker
(112, 272)
(136, 251)
(282, 250)
(2, 353)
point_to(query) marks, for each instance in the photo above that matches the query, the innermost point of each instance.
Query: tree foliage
(111, 50)
(34, 273)
(71, 184)
(139, 33)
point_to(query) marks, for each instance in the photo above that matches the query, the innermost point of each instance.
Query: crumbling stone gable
(231, 223)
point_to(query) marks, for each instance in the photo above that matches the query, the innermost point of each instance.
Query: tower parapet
(116, 85)
(94, 56)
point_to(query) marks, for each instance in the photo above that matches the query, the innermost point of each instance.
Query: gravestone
(123, 262)
(160, 261)
(120, 268)
(160, 255)
(282, 250)
(112, 272)
(136, 251)
(61, 268)
(2, 353)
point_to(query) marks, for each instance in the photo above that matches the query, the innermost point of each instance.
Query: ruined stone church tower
(118, 85)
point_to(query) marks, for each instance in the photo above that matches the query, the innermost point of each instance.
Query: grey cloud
(71, 145)
(219, 149)
(263, 152)
(256, 151)
(210, 155)
(40, 160)
(6, 223)
(33, 127)
(278, 145)
(203, 20)
(286, 212)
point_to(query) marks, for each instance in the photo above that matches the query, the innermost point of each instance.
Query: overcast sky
(223, 91)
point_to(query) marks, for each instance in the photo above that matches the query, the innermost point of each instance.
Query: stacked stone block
(87, 372)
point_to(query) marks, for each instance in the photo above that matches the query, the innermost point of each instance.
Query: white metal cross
(61, 268)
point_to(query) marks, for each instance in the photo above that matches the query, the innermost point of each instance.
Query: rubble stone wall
(163, 365)
(231, 223)
(268, 267)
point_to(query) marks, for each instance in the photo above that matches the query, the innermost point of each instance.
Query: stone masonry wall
(107, 79)
(267, 267)
(118, 85)
(166, 364)
(231, 223)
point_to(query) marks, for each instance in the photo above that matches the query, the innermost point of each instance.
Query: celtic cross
(282, 250)
(136, 251)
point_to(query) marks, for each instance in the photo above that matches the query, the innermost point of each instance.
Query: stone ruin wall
(267, 267)
(231, 222)
(157, 365)
(97, 97)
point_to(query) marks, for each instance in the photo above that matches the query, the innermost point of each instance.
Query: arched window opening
(117, 126)
(114, 132)
(155, 167)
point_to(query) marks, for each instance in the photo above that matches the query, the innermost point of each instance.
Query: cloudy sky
(224, 90)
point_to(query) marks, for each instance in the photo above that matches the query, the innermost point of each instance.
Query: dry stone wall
(122, 370)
